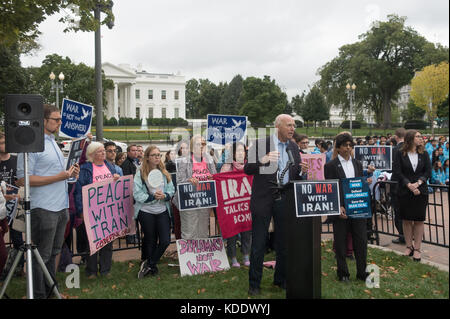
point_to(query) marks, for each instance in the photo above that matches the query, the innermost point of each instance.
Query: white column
(126, 102)
(132, 101)
(116, 101)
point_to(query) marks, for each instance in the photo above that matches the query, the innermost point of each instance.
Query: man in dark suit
(341, 167)
(399, 137)
(270, 163)
(129, 165)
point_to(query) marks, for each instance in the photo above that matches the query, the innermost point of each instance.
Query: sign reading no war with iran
(223, 129)
(193, 197)
(319, 198)
(378, 156)
(76, 119)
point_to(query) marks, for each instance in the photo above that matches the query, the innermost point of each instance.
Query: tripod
(28, 248)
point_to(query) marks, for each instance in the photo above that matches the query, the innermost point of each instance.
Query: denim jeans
(156, 229)
(47, 233)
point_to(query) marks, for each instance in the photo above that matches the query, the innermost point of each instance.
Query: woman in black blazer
(412, 168)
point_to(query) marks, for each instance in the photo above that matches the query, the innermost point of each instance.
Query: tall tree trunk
(386, 110)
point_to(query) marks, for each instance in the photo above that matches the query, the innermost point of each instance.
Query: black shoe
(363, 277)
(253, 291)
(344, 279)
(280, 285)
(154, 270)
(399, 240)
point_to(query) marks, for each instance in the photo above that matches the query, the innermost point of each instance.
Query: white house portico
(141, 94)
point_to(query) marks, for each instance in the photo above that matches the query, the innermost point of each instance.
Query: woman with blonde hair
(413, 169)
(152, 209)
(96, 169)
(199, 166)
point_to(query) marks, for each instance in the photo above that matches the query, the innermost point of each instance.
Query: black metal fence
(436, 224)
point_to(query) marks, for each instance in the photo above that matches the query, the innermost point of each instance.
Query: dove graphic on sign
(85, 113)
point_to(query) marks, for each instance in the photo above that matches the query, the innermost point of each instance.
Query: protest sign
(76, 149)
(198, 256)
(234, 190)
(76, 119)
(193, 197)
(108, 211)
(376, 155)
(356, 197)
(320, 198)
(316, 164)
(11, 205)
(223, 129)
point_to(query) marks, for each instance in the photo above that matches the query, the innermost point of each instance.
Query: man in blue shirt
(49, 199)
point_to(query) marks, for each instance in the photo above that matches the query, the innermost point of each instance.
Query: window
(150, 94)
(138, 113)
(177, 95)
(150, 112)
(163, 112)
(138, 94)
(177, 112)
(163, 94)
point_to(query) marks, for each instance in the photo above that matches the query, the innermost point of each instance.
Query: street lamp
(351, 97)
(57, 87)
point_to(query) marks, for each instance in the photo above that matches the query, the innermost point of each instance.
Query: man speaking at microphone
(273, 161)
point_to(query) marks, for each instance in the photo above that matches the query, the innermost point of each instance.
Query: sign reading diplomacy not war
(223, 129)
(234, 190)
(108, 211)
(356, 197)
(76, 119)
(376, 155)
(198, 256)
(317, 198)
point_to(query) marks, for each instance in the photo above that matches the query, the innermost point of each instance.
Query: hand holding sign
(155, 180)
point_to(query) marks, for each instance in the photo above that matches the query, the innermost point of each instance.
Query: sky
(289, 40)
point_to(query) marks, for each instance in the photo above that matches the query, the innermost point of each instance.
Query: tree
(297, 103)
(209, 97)
(262, 100)
(79, 82)
(382, 62)
(413, 112)
(192, 95)
(315, 107)
(229, 103)
(19, 20)
(430, 88)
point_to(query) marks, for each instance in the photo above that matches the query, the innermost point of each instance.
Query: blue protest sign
(193, 197)
(356, 197)
(376, 155)
(223, 129)
(317, 198)
(76, 119)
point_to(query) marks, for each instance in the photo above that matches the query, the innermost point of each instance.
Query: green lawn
(400, 278)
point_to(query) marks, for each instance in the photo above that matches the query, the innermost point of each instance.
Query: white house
(141, 94)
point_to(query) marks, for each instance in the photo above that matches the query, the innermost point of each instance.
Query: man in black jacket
(341, 167)
(268, 158)
(129, 165)
(399, 137)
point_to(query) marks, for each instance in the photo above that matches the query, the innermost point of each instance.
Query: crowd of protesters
(417, 162)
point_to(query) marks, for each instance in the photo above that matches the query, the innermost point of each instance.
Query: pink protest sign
(316, 163)
(198, 256)
(234, 190)
(108, 211)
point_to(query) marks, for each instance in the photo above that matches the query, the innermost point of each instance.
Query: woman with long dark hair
(413, 169)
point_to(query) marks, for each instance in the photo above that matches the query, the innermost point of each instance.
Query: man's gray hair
(279, 118)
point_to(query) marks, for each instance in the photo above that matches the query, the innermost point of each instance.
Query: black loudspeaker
(24, 123)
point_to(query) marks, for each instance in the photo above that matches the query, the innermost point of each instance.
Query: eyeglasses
(155, 155)
(58, 119)
(111, 151)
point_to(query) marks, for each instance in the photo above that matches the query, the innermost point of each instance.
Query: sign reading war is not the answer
(194, 197)
(317, 198)
(356, 198)
(108, 211)
(76, 119)
(198, 256)
(379, 156)
(223, 129)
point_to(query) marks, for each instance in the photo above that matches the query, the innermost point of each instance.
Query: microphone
(291, 157)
